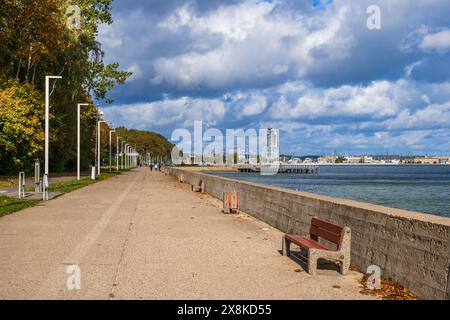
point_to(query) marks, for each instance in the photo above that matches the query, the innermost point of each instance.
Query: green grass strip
(71, 185)
(10, 205)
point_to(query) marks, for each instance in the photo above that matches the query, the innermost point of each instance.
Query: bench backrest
(325, 230)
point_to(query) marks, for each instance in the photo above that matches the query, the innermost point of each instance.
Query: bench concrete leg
(345, 265)
(286, 245)
(345, 251)
(312, 262)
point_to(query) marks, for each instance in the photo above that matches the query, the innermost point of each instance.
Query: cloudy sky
(311, 68)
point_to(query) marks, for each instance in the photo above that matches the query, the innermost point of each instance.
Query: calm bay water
(419, 188)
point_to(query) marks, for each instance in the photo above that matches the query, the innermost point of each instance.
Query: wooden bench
(341, 236)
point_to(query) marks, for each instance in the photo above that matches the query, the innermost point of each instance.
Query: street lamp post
(130, 157)
(117, 153)
(125, 155)
(78, 137)
(122, 158)
(98, 147)
(99, 114)
(121, 154)
(110, 149)
(47, 112)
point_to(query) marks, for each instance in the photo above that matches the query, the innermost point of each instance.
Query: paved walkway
(142, 235)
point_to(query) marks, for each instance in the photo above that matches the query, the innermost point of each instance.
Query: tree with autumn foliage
(32, 33)
(35, 42)
(22, 135)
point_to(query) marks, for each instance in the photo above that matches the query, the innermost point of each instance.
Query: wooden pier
(283, 168)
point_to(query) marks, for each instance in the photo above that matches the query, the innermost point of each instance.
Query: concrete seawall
(409, 247)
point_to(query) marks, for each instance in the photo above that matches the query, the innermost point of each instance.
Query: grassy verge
(10, 205)
(71, 185)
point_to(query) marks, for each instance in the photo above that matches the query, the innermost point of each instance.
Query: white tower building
(273, 144)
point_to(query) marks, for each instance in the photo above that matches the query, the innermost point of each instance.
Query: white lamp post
(130, 163)
(99, 114)
(122, 159)
(98, 147)
(110, 149)
(78, 137)
(129, 157)
(117, 154)
(126, 156)
(47, 112)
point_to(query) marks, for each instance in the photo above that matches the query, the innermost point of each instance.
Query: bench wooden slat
(316, 233)
(326, 225)
(325, 230)
(306, 243)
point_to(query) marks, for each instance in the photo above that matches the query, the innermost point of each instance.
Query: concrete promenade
(142, 235)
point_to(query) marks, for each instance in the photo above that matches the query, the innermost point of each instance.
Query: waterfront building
(353, 159)
(327, 159)
(273, 144)
(427, 160)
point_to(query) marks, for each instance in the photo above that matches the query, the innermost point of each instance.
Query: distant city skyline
(313, 69)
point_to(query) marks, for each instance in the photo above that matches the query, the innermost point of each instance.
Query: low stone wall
(409, 247)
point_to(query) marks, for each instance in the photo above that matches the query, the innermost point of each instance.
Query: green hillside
(147, 141)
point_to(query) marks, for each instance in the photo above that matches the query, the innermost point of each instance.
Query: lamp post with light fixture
(78, 137)
(47, 125)
(110, 149)
(99, 145)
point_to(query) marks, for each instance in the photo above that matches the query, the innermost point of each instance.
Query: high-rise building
(273, 144)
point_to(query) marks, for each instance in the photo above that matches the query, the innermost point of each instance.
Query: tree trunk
(18, 68)
(34, 72)
(29, 63)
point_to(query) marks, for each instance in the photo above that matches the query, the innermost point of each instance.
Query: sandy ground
(142, 235)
